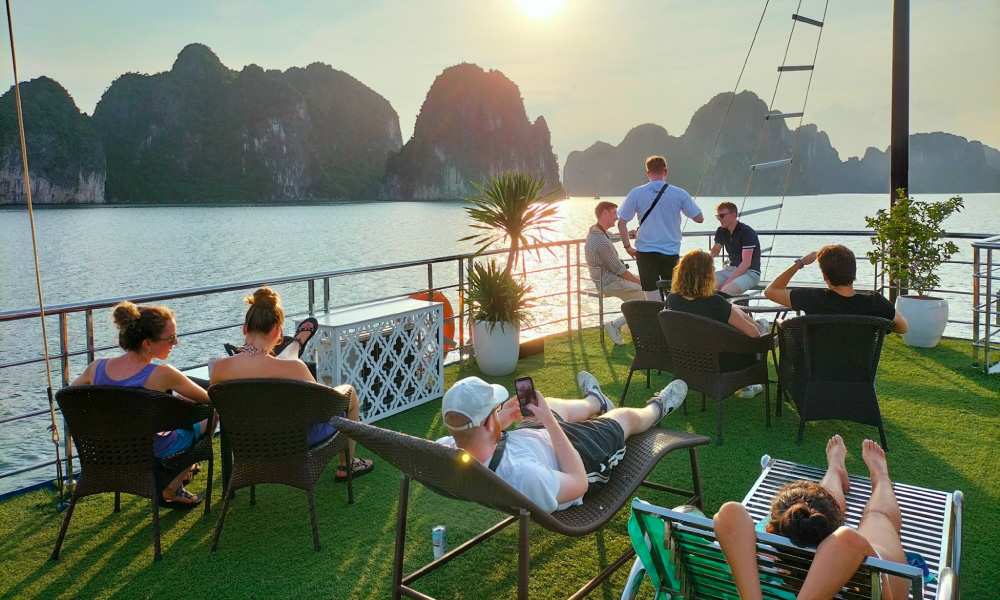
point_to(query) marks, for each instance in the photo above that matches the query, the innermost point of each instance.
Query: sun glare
(540, 9)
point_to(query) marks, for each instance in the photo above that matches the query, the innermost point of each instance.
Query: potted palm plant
(511, 209)
(908, 242)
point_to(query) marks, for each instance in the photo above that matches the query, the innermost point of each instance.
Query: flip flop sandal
(302, 327)
(195, 469)
(359, 466)
(182, 499)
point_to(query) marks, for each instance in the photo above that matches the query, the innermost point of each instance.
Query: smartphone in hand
(525, 394)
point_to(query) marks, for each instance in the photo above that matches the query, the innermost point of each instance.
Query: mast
(899, 151)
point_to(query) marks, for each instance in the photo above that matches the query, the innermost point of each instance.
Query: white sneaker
(614, 333)
(670, 397)
(589, 387)
(750, 391)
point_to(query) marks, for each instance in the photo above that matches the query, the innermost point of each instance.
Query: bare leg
(353, 413)
(837, 560)
(835, 480)
(882, 520)
(291, 351)
(735, 532)
(572, 411)
(635, 420)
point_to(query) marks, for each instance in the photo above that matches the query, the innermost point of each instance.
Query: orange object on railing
(449, 317)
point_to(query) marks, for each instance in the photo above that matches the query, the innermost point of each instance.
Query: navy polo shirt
(742, 238)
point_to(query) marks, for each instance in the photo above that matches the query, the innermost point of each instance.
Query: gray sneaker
(670, 397)
(589, 387)
(614, 333)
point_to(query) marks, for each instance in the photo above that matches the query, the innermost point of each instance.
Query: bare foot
(836, 452)
(874, 457)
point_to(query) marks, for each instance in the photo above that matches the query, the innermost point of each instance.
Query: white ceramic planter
(926, 317)
(496, 350)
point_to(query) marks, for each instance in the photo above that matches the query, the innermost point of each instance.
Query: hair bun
(263, 297)
(124, 315)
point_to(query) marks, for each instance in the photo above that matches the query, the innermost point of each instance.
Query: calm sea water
(108, 252)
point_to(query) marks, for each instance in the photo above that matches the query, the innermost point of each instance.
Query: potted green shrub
(908, 243)
(510, 209)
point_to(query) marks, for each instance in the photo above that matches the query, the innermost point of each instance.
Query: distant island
(939, 162)
(204, 133)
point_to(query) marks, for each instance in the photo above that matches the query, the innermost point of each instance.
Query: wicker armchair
(265, 425)
(700, 348)
(113, 429)
(651, 350)
(449, 472)
(828, 365)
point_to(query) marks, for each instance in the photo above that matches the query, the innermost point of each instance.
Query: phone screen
(525, 393)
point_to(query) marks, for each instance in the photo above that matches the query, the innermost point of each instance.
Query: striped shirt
(602, 258)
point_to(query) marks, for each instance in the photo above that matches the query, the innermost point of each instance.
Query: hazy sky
(594, 69)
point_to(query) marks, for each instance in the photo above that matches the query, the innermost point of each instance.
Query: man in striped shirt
(609, 272)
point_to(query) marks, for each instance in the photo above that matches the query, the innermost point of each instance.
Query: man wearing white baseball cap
(554, 456)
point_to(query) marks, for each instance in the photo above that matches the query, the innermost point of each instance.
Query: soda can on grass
(439, 536)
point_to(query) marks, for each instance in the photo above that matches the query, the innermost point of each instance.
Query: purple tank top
(164, 440)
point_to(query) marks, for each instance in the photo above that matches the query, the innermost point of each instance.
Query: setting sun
(540, 9)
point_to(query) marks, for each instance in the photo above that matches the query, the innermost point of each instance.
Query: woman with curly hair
(692, 290)
(262, 331)
(812, 514)
(145, 333)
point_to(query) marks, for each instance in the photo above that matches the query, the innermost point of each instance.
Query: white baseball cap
(473, 398)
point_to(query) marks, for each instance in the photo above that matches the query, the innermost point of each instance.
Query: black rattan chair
(716, 359)
(265, 425)
(449, 472)
(828, 365)
(113, 429)
(651, 350)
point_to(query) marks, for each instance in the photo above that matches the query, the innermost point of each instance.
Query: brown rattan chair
(113, 429)
(452, 473)
(651, 350)
(828, 365)
(265, 426)
(704, 352)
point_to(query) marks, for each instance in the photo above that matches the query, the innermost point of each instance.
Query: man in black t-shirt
(743, 248)
(839, 268)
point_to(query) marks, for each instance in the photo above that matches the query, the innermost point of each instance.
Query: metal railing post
(312, 297)
(460, 314)
(326, 294)
(579, 304)
(91, 353)
(976, 274)
(63, 347)
(569, 293)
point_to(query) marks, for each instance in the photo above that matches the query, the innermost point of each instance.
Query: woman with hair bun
(812, 514)
(145, 333)
(262, 331)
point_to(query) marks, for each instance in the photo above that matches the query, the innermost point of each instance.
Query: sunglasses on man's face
(722, 216)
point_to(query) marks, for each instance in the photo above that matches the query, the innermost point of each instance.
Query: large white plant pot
(926, 317)
(496, 350)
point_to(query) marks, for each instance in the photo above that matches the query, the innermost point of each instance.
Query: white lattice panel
(391, 352)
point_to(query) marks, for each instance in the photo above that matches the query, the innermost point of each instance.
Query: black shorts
(600, 443)
(653, 267)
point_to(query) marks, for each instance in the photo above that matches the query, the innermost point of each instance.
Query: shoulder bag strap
(498, 453)
(653, 205)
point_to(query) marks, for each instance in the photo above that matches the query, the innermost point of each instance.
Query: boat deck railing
(560, 301)
(986, 304)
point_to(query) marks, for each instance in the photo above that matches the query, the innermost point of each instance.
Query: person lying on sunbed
(262, 331)
(559, 452)
(145, 333)
(812, 514)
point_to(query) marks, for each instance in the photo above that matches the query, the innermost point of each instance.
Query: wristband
(799, 262)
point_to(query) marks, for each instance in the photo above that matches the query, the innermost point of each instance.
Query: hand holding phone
(525, 394)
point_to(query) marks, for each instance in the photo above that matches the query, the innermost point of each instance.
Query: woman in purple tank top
(145, 333)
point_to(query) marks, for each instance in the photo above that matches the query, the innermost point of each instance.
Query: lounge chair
(680, 555)
(265, 425)
(828, 366)
(651, 351)
(699, 348)
(452, 473)
(113, 429)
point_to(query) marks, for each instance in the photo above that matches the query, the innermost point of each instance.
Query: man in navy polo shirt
(743, 248)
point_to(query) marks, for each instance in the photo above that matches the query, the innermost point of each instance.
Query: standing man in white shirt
(610, 274)
(659, 206)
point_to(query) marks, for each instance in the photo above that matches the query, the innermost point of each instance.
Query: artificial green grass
(942, 421)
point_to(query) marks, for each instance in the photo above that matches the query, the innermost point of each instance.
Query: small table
(392, 352)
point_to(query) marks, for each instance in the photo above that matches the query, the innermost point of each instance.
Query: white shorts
(744, 282)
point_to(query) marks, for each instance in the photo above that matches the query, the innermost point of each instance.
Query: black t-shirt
(742, 238)
(714, 307)
(814, 301)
